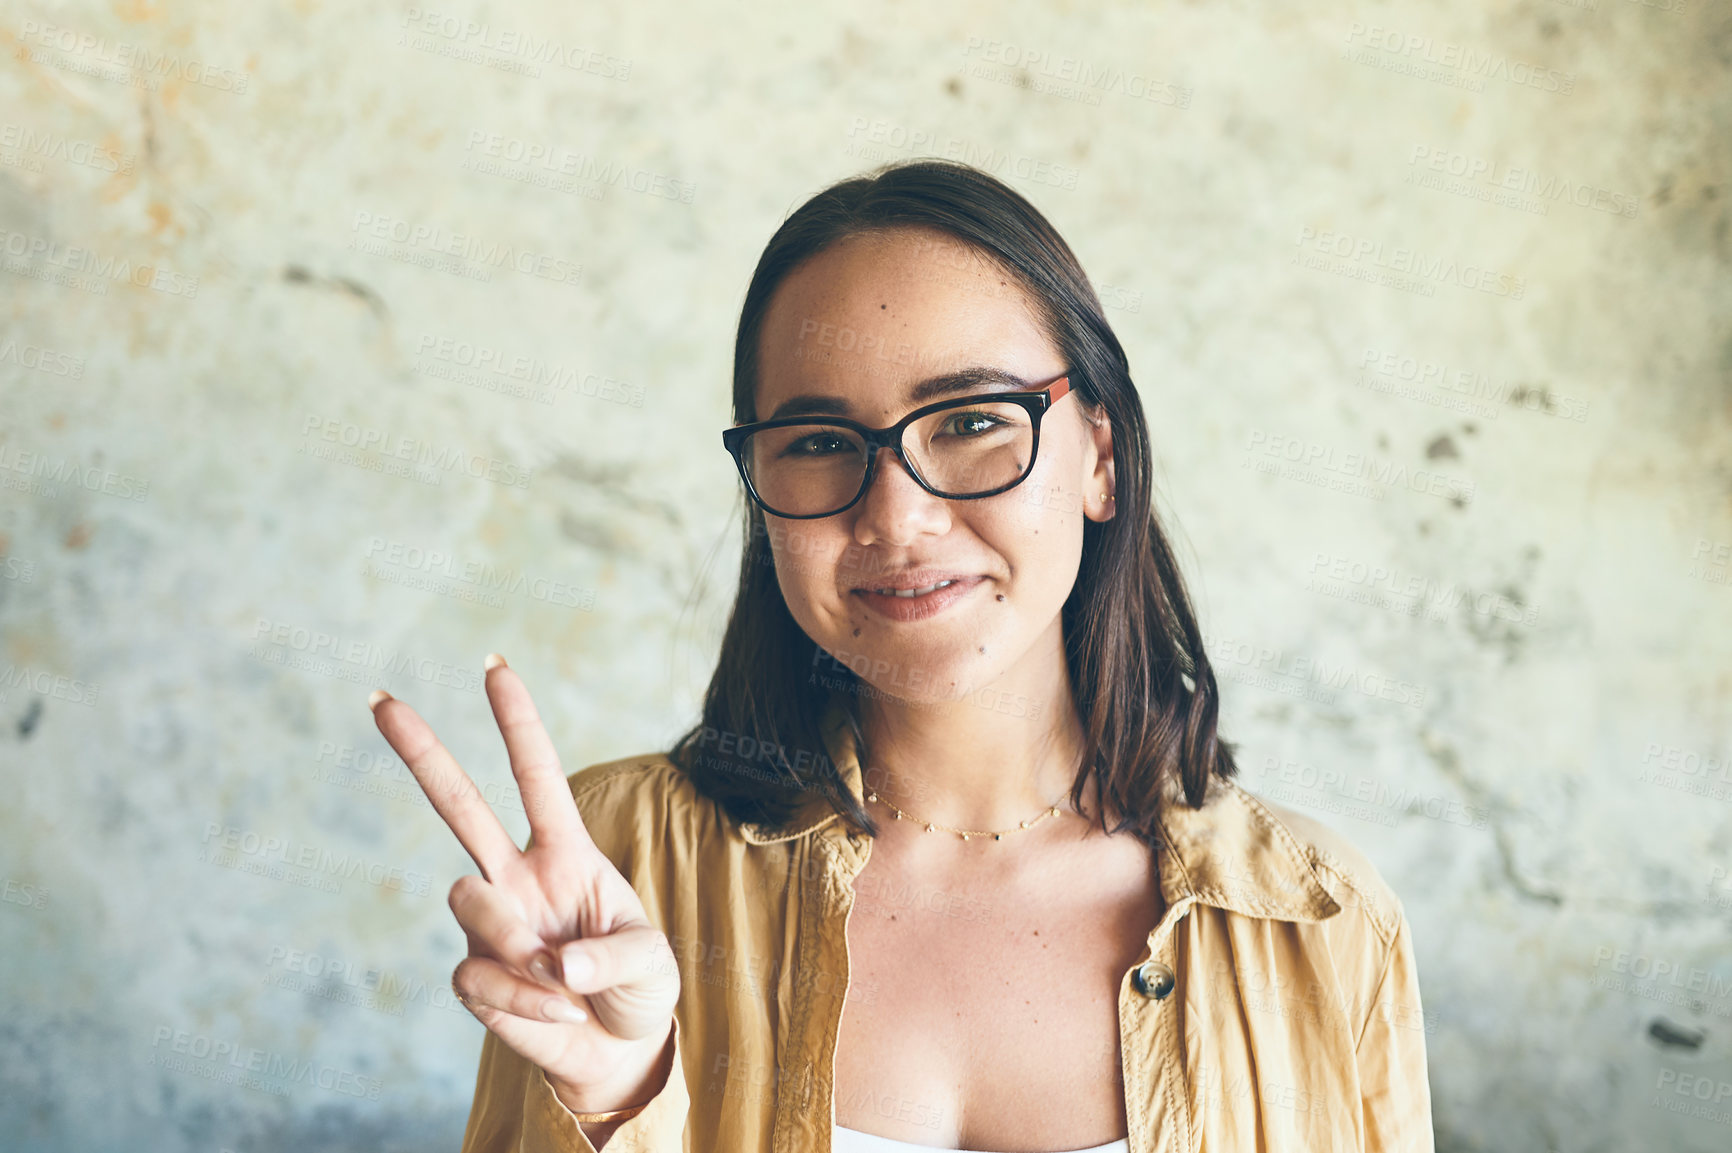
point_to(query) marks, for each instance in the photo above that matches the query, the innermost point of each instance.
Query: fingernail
(378, 696)
(559, 1009)
(579, 966)
(541, 968)
(493, 661)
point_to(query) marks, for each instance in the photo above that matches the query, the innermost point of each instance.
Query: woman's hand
(563, 965)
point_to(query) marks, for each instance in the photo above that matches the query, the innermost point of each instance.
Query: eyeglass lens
(815, 469)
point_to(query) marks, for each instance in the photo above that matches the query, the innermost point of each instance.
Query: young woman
(955, 858)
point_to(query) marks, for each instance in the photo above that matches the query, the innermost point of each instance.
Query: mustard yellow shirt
(1275, 1009)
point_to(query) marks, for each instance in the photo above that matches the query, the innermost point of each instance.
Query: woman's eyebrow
(968, 379)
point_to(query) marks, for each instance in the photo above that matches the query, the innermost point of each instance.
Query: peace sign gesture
(563, 965)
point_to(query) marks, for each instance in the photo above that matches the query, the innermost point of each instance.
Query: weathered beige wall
(1430, 309)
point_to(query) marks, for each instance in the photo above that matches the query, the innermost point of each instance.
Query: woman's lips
(921, 605)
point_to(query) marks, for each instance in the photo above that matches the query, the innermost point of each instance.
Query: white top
(854, 1141)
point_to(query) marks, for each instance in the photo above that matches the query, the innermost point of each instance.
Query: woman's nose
(895, 508)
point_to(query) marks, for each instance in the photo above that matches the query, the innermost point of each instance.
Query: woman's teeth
(912, 592)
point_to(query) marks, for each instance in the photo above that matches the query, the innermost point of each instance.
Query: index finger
(453, 795)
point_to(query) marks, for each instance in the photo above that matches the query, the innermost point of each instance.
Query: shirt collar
(815, 812)
(1233, 853)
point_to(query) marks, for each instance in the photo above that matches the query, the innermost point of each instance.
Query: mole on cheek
(1000, 596)
(856, 632)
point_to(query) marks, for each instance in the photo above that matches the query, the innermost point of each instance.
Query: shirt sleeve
(1395, 1092)
(517, 1111)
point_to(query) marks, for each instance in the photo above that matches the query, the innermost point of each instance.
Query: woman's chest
(993, 1022)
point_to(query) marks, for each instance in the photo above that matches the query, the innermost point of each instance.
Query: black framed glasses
(801, 468)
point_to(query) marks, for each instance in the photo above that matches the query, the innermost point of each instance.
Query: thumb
(636, 955)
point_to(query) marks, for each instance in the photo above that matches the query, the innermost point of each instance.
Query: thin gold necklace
(965, 834)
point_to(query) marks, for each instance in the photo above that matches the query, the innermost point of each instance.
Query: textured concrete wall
(1428, 304)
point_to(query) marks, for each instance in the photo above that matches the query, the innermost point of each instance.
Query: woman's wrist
(627, 1093)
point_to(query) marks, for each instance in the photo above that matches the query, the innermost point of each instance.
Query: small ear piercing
(1108, 496)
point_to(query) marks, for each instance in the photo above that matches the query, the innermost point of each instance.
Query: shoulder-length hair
(1143, 688)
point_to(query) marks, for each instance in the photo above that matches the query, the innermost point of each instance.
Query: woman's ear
(1099, 491)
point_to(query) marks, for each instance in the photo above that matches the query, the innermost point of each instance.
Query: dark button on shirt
(1152, 979)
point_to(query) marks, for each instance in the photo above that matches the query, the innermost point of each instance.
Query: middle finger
(554, 823)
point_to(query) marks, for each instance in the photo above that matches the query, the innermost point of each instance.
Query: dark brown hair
(1144, 691)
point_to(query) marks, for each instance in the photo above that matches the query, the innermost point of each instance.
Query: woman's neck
(1000, 755)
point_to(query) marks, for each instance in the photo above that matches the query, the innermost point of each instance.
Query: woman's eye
(970, 423)
(818, 444)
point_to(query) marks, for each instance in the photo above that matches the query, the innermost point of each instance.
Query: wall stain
(1676, 1036)
(28, 722)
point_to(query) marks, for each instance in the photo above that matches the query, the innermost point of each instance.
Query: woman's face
(860, 325)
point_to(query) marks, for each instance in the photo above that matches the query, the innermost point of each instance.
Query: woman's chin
(941, 693)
